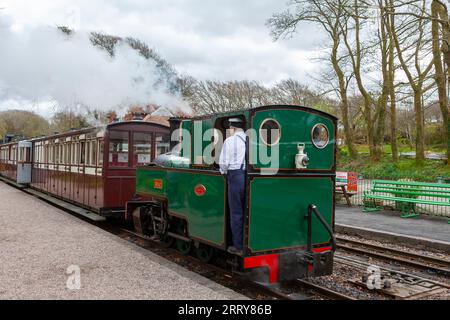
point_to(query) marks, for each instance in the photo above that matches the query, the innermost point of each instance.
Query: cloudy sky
(208, 39)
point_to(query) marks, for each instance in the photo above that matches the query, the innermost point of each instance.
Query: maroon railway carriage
(8, 160)
(93, 168)
(15, 161)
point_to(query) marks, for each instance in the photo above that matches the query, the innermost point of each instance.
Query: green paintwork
(145, 181)
(278, 207)
(296, 127)
(186, 142)
(205, 214)
(201, 131)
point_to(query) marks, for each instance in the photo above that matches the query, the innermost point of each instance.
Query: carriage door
(24, 163)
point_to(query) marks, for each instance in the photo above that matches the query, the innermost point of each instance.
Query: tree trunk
(420, 141)
(344, 100)
(348, 131)
(392, 95)
(438, 11)
(394, 145)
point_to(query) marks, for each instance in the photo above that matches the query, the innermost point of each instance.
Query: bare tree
(413, 48)
(440, 26)
(329, 15)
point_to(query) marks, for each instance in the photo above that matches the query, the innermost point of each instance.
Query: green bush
(386, 169)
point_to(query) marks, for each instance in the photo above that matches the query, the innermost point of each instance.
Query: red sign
(352, 182)
(348, 178)
(158, 184)
(200, 190)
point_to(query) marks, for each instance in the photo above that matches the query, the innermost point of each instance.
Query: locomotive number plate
(158, 184)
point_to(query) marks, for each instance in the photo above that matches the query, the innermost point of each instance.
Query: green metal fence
(365, 184)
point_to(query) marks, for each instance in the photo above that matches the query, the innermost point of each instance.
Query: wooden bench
(407, 194)
(341, 188)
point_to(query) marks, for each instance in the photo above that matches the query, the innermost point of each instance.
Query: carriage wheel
(204, 253)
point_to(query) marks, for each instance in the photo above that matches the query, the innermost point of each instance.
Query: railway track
(412, 259)
(324, 291)
(395, 284)
(211, 271)
(302, 287)
(266, 292)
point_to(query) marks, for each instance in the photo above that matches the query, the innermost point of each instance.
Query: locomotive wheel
(204, 253)
(167, 242)
(184, 247)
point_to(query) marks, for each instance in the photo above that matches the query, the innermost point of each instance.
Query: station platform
(425, 229)
(42, 247)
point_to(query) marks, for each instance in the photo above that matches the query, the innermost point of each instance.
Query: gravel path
(38, 243)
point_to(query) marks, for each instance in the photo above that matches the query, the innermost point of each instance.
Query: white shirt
(233, 152)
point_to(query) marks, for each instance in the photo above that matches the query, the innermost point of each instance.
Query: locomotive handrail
(313, 209)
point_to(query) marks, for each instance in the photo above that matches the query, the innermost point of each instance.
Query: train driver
(232, 165)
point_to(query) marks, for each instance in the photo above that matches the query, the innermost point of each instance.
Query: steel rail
(323, 290)
(267, 290)
(408, 258)
(364, 265)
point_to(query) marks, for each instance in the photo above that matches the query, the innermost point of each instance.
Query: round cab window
(270, 132)
(320, 136)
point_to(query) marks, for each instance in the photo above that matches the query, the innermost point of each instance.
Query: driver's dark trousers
(236, 202)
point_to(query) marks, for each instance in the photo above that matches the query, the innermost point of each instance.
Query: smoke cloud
(46, 65)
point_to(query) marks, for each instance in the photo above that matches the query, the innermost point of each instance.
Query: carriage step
(66, 206)
(12, 183)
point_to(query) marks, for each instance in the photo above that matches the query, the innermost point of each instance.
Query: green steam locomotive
(181, 199)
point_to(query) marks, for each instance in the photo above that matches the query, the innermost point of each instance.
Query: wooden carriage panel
(85, 178)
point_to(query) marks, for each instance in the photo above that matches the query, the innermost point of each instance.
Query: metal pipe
(313, 208)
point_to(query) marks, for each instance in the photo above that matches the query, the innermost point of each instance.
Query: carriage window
(162, 144)
(61, 153)
(28, 154)
(93, 152)
(36, 153)
(88, 152)
(100, 152)
(142, 148)
(73, 153)
(118, 148)
(56, 154)
(67, 153)
(41, 154)
(82, 152)
(24, 154)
